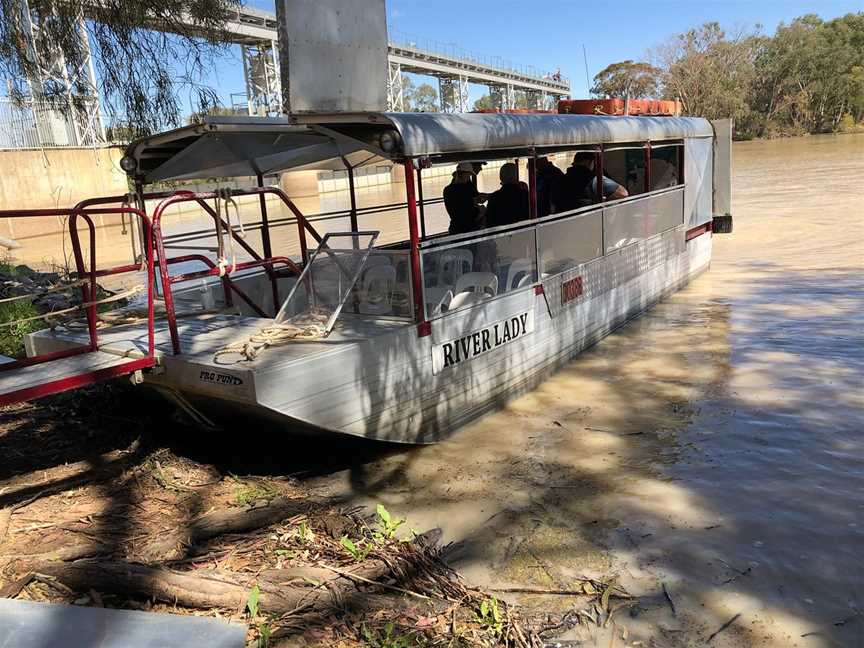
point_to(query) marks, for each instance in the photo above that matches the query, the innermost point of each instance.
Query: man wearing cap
(463, 201)
(511, 203)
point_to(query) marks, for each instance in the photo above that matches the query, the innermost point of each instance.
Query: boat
(358, 334)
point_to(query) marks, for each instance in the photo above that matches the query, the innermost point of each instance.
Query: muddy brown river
(714, 447)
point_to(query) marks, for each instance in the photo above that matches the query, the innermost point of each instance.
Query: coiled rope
(309, 326)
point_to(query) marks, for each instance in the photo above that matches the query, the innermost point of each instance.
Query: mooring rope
(47, 291)
(305, 327)
(48, 316)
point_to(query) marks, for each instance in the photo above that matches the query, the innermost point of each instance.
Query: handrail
(89, 292)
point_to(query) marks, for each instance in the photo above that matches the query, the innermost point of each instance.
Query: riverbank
(96, 509)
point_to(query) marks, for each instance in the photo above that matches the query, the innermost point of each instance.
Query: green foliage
(246, 493)
(424, 98)
(617, 80)
(252, 601)
(12, 335)
(358, 551)
(484, 103)
(489, 616)
(806, 78)
(387, 637)
(387, 526)
(141, 70)
(264, 632)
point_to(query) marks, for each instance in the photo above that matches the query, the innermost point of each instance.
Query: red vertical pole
(532, 184)
(266, 245)
(167, 294)
(414, 233)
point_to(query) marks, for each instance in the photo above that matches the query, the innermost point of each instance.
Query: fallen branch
(212, 590)
(174, 546)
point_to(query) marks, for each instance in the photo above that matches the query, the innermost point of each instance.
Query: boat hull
(391, 388)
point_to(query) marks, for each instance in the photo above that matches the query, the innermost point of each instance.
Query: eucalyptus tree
(145, 53)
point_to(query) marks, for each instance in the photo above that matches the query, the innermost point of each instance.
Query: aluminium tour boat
(401, 341)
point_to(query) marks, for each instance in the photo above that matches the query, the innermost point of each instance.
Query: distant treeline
(806, 78)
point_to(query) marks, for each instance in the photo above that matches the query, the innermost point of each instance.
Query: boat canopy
(247, 146)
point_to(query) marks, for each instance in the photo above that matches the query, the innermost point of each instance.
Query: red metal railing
(89, 289)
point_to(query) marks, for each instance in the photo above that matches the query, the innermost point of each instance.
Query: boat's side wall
(385, 388)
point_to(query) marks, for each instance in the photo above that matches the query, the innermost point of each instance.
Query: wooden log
(208, 590)
(174, 546)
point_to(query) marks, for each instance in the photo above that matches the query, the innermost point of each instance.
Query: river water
(713, 447)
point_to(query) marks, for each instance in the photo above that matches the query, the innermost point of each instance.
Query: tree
(145, 53)
(424, 99)
(638, 80)
(484, 103)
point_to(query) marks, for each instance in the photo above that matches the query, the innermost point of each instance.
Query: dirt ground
(109, 500)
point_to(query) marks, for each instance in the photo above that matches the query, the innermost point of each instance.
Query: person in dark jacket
(511, 203)
(463, 201)
(579, 185)
(548, 178)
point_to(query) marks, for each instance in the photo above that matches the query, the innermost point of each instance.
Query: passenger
(463, 201)
(548, 178)
(511, 203)
(579, 186)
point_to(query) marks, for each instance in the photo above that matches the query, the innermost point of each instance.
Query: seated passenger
(511, 203)
(463, 201)
(548, 178)
(579, 186)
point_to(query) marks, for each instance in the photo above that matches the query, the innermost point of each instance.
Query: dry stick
(723, 627)
(537, 590)
(371, 582)
(669, 598)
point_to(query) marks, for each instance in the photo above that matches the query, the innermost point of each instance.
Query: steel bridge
(255, 31)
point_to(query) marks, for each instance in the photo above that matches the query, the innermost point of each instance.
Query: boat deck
(202, 335)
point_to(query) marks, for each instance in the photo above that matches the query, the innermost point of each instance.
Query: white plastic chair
(484, 283)
(452, 264)
(519, 274)
(376, 290)
(441, 306)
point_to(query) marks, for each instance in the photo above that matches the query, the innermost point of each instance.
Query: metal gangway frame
(81, 365)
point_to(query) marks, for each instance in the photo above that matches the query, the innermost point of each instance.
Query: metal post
(265, 220)
(266, 244)
(532, 184)
(647, 166)
(416, 280)
(353, 196)
(422, 205)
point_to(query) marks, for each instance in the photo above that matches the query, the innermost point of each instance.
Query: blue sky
(550, 33)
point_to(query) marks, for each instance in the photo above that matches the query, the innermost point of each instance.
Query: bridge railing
(453, 51)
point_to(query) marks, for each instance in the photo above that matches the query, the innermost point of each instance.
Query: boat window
(629, 222)
(566, 243)
(665, 165)
(468, 273)
(625, 164)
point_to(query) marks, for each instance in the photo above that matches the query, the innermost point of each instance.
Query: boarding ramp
(73, 365)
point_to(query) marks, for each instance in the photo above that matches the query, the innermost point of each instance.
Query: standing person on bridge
(463, 201)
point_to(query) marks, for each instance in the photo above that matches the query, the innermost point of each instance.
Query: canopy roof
(246, 146)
